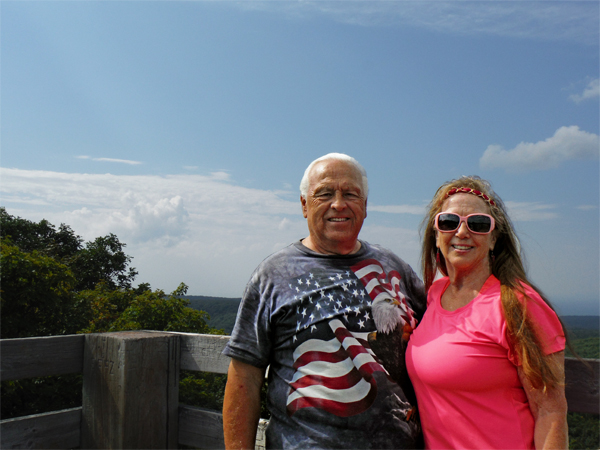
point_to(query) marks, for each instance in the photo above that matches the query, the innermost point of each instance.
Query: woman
(487, 359)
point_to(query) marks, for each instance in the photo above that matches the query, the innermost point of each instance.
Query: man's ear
(304, 209)
(365, 208)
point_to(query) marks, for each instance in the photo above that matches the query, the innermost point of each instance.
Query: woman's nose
(463, 230)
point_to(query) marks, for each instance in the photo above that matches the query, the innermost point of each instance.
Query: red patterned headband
(467, 190)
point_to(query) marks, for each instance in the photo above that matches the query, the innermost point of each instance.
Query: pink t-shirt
(465, 373)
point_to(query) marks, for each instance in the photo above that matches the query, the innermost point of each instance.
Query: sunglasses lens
(448, 222)
(479, 224)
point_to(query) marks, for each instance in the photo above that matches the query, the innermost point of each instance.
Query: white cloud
(591, 91)
(210, 233)
(566, 144)
(587, 207)
(223, 176)
(201, 230)
(114, 160)
(565, 21)
(530, 211)
(398, 209)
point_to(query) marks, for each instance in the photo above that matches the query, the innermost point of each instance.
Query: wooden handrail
(201, 428)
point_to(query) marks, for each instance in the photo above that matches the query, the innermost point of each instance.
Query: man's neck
(348, 249)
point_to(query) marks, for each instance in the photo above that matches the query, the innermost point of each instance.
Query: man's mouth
(338, 219)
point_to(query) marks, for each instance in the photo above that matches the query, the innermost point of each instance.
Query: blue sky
(185, 127)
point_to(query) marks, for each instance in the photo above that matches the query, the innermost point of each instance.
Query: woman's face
(463, 250)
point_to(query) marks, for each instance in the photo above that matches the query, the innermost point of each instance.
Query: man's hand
(241, 406)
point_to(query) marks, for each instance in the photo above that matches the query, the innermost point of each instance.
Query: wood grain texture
(131, 386)
(202, 352)
(130, 390)
(582, 385)
(200, 428)
(203, 428)
(58, 429)
(41, 356)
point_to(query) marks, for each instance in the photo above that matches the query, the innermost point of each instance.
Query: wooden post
(130, 390)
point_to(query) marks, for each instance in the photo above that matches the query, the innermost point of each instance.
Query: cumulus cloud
(567, 143)
(591, 91)
(144, 207)
(201, 230)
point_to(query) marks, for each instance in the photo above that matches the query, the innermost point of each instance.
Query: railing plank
(58, 429)
(202, 352)
(200, 428)
(203, 428)
(581, 387)
(41, 356)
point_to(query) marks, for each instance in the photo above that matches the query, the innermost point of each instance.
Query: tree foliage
(103, 260)
(52, 283)
(100, 260)
(37, 294)
(42, 236)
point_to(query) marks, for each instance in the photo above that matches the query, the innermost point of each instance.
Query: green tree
(53, 284)
(42, 236)
(103, 260)
(100, 260)
(36, 297)
(157, 311)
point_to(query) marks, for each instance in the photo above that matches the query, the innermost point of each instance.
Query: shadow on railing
(131, 390)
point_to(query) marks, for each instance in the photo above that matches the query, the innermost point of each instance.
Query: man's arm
(241, 406)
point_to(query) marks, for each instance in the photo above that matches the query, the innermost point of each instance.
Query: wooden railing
(131, 389)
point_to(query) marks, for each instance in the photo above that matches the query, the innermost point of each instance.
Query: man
(307, 314)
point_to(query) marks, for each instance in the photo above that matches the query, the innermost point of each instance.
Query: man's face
(335, 207)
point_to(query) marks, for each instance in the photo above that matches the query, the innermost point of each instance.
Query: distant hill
(584, 334)
(222, 310)
(586, 322)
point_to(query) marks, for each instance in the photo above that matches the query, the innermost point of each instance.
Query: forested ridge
(54, 283)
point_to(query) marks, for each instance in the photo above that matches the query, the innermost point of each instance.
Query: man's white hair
(340, 157)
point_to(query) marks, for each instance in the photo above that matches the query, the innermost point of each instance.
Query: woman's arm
(549, 409)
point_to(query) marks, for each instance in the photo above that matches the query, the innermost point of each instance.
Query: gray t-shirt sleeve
(250, 342)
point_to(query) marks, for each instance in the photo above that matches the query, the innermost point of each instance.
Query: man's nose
(338, 201)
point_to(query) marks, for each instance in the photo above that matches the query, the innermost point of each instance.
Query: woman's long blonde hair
(507, 266)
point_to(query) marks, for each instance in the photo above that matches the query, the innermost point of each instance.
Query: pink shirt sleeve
(546, 323)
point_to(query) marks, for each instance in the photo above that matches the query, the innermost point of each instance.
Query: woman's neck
(464, 287)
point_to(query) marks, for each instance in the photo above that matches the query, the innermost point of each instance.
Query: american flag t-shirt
(333, 362)
(307, 316)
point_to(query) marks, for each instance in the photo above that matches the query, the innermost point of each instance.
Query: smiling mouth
(461, 247)
(338, 219)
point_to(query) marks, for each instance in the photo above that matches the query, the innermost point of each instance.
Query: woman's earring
(492, 256)
(437, 257)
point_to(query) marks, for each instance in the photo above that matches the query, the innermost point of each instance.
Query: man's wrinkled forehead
(334, 171)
